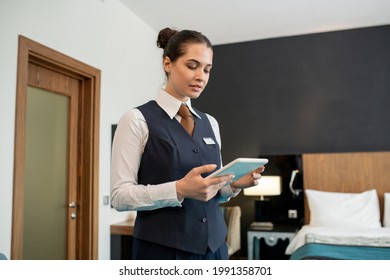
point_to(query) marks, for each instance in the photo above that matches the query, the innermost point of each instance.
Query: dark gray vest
(170, 153)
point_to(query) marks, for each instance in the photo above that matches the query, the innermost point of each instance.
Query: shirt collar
(171, 105)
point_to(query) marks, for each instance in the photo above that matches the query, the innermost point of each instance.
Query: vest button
(195, 150)
(204, 220)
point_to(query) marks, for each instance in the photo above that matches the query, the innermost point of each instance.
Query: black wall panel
(324, 92)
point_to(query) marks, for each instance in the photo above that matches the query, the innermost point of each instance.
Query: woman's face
(189, 74)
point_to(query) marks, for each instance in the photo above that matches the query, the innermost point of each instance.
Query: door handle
(73, 216)
(72, 204)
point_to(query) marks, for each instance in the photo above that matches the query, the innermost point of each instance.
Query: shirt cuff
(165, 195)
(227, 193)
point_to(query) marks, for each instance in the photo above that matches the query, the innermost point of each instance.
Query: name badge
(209, 140)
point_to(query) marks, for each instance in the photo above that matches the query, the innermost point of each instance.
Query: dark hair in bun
(173, 42)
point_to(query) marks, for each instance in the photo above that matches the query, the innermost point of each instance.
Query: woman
(159, 169)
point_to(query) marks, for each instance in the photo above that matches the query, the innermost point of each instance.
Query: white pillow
(386, 215)
(336, 209)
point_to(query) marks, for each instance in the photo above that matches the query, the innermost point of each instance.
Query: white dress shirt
(129, 142)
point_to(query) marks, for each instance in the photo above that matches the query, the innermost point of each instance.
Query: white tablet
(239, 167)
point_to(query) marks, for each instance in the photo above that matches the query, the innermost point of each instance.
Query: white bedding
(340, 236)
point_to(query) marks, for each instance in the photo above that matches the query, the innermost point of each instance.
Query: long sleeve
(128, 145)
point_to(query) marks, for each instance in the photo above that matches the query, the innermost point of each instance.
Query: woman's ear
(167, 64)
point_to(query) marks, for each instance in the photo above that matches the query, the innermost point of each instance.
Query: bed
(347, 207)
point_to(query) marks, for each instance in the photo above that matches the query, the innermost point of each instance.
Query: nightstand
(275, 240)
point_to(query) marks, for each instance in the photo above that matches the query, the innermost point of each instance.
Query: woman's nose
(200, 75)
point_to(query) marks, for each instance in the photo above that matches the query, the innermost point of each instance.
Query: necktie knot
(184, 111)
(187, 120)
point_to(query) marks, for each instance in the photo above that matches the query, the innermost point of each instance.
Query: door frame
(88, 144)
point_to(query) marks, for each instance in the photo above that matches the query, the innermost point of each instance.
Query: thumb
(204, 168)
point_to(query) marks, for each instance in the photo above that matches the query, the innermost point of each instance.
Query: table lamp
(267, 186)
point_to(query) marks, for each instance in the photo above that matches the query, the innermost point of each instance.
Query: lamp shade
(267, 186)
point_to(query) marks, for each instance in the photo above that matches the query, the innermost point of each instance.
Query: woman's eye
(192, 67)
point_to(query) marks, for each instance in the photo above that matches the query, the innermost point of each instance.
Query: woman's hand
(249, 180)
(193, 185)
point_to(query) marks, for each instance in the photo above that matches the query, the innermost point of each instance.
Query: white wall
(101, 33)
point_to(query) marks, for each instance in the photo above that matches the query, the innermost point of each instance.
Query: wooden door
(56, 156)
(50, 200)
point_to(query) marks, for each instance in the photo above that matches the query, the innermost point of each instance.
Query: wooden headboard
(346, 172)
